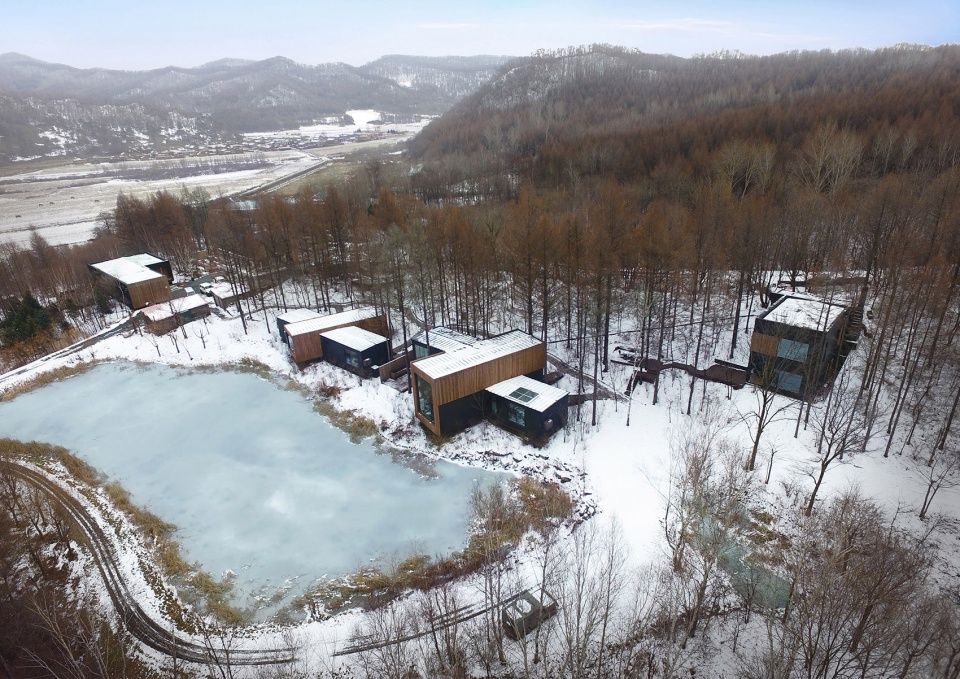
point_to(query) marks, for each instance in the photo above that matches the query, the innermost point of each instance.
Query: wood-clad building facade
(167, 316)
(294, 316)
(303, 337)
(448, 387)
(355, 349)
(795, 344)
(134, 284)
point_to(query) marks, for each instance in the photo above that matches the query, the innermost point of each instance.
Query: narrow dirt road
(219, 650)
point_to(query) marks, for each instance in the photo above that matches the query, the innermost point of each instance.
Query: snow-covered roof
(801, 311)
(482, 351)
(158, 312)
(528, 392)
(330, 321)
(143, 259)
(354, 337)
(445, 339)
(297, 315)
(126, 271)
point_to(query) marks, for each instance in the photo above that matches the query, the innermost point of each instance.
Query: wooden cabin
(134, 284)
(294, 316)
(355, 349)
(162, 318)
(795, 344)
(226, 296)
(527, 407)
(303, 337)
(448, 387)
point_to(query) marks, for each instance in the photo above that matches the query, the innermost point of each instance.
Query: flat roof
(158, 312)
(126, 271)
(440, 365)
(144, 259)
(330, 321)
(445, 339)
(297, 315)
(528, 392)
(804, 312)
(354, 337)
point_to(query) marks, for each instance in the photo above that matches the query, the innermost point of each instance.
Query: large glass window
(420, 351)
(424, 398)
(793, 351)
(516, 414)
(352, 357)
(788, 382)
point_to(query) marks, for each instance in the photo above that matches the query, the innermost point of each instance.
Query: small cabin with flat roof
(134, 283)
(355, 349)
(294, 316)
(449, 387)
(304, 336)
(795, 344)
(527, 407)
(162, 318)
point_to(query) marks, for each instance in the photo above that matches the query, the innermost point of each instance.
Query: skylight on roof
(523, 395)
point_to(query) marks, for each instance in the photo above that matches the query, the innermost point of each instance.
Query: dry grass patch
(45, 378)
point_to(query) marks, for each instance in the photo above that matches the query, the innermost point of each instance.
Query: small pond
(256, 480)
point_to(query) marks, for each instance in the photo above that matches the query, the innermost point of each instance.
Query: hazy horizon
(143, 36)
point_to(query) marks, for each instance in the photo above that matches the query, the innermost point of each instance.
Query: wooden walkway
(649, 369)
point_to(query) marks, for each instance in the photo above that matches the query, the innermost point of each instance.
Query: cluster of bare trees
(48, 626)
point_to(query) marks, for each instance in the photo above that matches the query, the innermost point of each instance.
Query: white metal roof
(445, 339)
(354, 337)
(451, 362)
(158, 312)
(126, 271)
(330, 321)
(528, 392)
(144, 259)
(297, 315)
(804, 312)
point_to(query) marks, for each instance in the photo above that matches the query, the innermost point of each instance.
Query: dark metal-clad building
(303, 337)
(448, 387)
(795, 344)
(433, 341)
(355, 349)
(528, 407)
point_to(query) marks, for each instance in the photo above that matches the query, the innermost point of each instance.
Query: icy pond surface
(256, 481)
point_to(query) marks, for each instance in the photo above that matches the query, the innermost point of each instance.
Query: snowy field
(63, 203)
(623, 472)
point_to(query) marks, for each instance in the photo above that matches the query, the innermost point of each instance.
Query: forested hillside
(52, 109)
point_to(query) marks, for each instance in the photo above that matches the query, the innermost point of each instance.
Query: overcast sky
(143, 34)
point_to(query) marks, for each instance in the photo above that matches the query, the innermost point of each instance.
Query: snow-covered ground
(63, 203)
(621, 471)
(364, 121)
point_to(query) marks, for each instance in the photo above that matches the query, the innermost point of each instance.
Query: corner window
(424, 398)
(789, 382)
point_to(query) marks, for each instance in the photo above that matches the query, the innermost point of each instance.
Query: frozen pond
(256, 480)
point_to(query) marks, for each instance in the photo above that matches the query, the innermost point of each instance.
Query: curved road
(137, 621)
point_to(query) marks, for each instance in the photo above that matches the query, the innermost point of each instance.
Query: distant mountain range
(52, 109)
